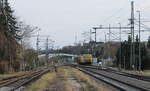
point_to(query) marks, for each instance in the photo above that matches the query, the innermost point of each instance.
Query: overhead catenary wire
(145, 27)
(115, 13)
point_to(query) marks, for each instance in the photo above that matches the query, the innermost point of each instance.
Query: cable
(144, 26)
(118, 11)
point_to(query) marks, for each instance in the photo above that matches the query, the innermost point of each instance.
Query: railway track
(139, 77)
(121, 82)
(17, 82)
(7, 80)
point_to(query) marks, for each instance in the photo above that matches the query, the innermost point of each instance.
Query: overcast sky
(64, 19)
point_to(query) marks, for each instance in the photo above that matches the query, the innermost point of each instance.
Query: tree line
(8, 37)
(14, 36)
(123, 56)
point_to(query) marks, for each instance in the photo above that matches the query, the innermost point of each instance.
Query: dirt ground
(67, 79)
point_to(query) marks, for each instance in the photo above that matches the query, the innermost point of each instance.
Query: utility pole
(105, 37)
(133, 37)
(37, 47)
(95, 32)
(120, 44)
(105, 45)
(75, 40)
(139, 40)
(109, 31)
(90, 35)
(132, 49)
(47, 51)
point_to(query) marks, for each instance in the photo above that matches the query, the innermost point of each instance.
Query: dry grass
(65, 73)
(67, 79)
(41, 84)
(92, 83)
(87, 84)
(70, 83)
(144, 73)
(50, 81)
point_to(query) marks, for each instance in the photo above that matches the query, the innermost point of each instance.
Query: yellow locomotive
(85, 59)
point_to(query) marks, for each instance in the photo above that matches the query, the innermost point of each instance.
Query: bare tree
(25, 32)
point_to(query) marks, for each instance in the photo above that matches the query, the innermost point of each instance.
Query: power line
(115, 13)
(145, 27)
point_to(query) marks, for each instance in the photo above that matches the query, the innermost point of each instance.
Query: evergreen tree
(9, 35)
(148, 44)
(2, 18)
(125, 57)
(11, 21)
